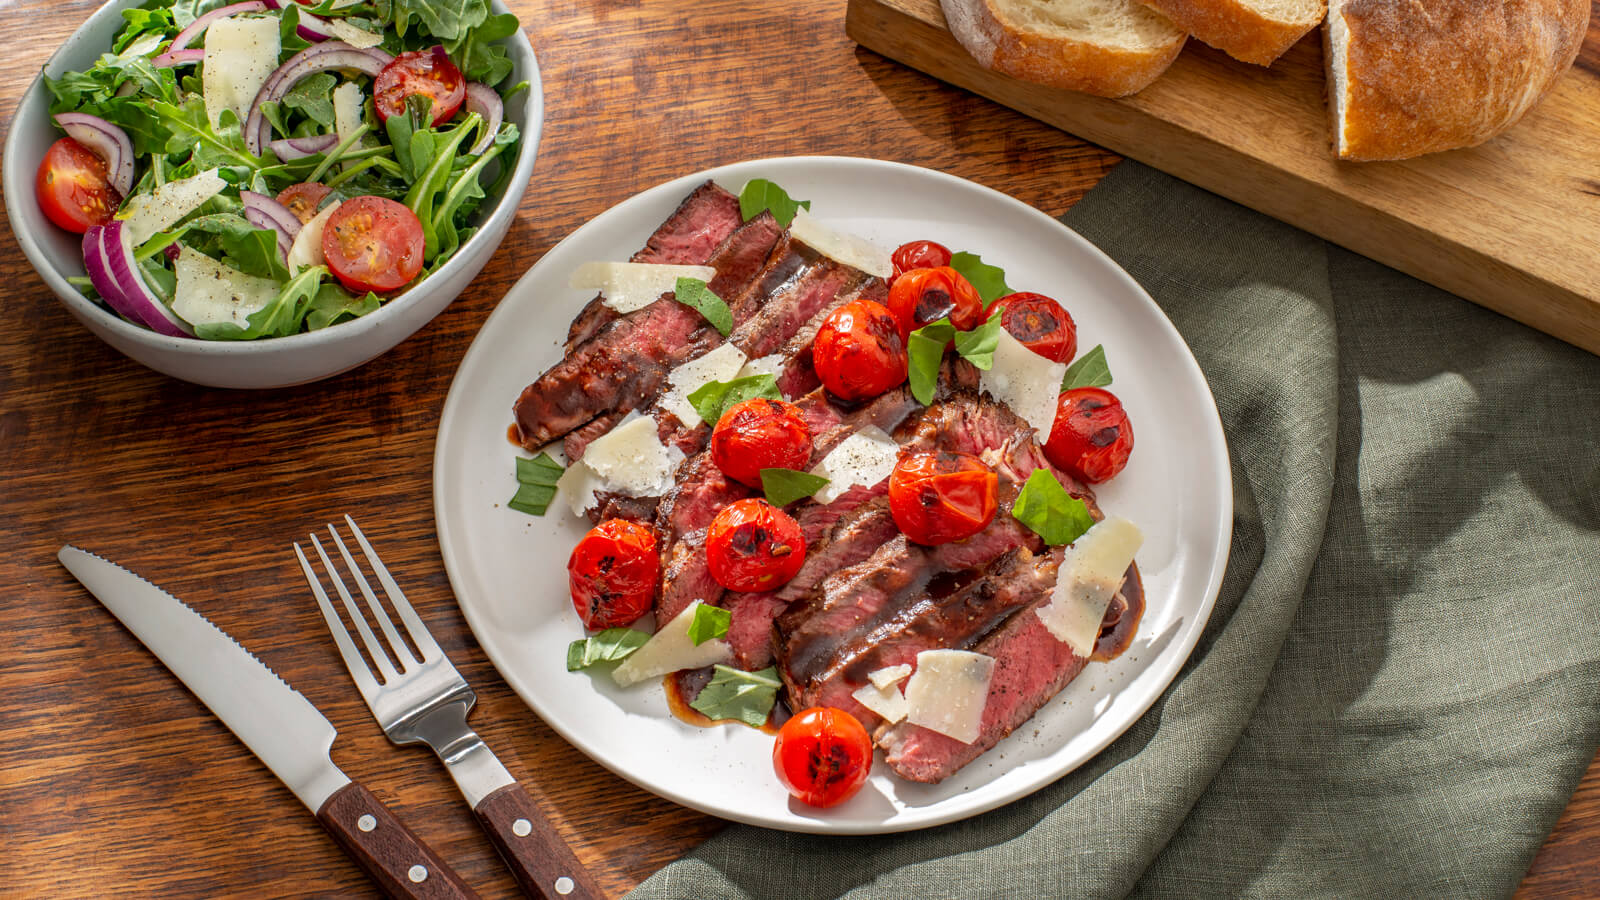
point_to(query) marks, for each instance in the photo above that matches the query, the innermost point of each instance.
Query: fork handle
(396, 860)
(538, 857)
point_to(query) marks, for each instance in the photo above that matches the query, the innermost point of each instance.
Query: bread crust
(1054, 60)
(1236, 29)
(1431, 75)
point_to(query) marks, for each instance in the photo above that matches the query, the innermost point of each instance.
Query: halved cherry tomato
(939, 496)
(429, 73)
(760, 434)
(612, 573)
(1091, 437)
(303, 199)
(921, 296)
(73, 188)
(1040, 324)
(918, 255)
(373, 244)
(754, 546)
(859, 351)
(822, 756)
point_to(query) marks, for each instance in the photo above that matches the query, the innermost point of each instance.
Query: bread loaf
(1253, 31)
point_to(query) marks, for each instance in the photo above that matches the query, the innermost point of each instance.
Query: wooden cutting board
(1513, 225)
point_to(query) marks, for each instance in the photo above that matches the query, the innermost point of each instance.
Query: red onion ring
(107, 141)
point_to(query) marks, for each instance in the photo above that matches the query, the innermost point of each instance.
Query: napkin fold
(1399, 687)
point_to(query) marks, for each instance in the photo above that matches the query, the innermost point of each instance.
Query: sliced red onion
(316, 28)
(484, 101)
(200, 24)
(108, 258)
(178, 58)
(313, 59)
(302, 147)
(108, 141)
(264, 212)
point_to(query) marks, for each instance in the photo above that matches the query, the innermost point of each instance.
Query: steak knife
(277, 723)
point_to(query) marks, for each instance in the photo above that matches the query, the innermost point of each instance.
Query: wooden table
(113, 778)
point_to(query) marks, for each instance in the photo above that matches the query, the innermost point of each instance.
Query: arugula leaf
(743, 696)
(1089, 370)
(760, 194)
(610, 645)
(334, 304)
(140, 21)
(714, 398)
(480, 59)
(447, 20)
(784, 486)
(695, 294)
(434, 178)
(313, 96)
(978, 345)
(232, 239)
(536, 484)
(709, 623)
(989, 280)
(925, 350)
(191, 131)
(1045, 507)
(289, 40)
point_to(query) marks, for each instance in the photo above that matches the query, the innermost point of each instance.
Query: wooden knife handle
(397, 860)
(538, 857)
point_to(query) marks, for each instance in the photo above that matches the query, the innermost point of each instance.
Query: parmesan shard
(1025, 381)
(630, 286)
(772, 364)
(889, 675)
(723, 363)
(840, 246)
(1090, 575)
(862, 459)
(887, 702)
(629, 460)
(948, 692)
(347, 113)
(210, 293)
(241, 53)
(671, 649)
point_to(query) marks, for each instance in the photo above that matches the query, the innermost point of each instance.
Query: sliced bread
(1252, 31)
(1110, 48)
(1418, 77)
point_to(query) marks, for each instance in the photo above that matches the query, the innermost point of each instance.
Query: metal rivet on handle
(521, 827)
(418, 873)
(564, 885)
(366, 823)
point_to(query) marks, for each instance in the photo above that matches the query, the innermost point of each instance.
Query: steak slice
(770, 325)
(681, 518)
(798, 375)
(702, 221)
(685, 577)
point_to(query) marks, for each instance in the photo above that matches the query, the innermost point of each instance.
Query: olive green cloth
(1397, 692)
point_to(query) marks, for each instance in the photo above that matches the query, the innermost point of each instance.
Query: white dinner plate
(508, 568)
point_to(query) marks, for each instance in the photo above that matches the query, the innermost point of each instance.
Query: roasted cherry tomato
(822, 756)
(429, 73)
(754, 546)
(303, 199)
(859, 351)
(760, 434)
(939, 496)
(373, 244)
(921, 296)
(918, 255)
(1091, 437)
(1040, 324)
(73, 188)
(612, 573)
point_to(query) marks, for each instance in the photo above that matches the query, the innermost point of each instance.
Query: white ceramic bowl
(271, 362)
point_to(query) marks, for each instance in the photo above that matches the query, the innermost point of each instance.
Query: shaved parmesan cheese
(630, 286)
(146, 214)
(578, 484)
(887, 702)
(670, 650)
(241, 52)
(1025, 381)
(889, 675)
(948, 692)
(307, 247)
(840, 246)
(772, 364)
(1090, 574)
(721, 364)
(346, 112)
(210, 293)
(629, 460)
(864, 458)
(358, 38)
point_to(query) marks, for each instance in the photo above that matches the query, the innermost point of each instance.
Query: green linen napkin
(1397, 692)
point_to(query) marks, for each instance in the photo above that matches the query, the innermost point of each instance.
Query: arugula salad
(261, 168)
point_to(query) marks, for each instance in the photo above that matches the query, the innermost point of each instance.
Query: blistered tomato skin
(922, 296)
(760, 434)
(1092, 437)
(939, 496)
(822, 756)
(917, 255)
(754, 546)
(859, 351)
(612, 574)
(1040, 324)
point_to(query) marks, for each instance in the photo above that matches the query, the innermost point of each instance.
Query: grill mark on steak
(685, 577)
(798, 376)
(772, 324)
(681, 518)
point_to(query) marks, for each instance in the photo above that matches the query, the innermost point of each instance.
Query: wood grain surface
(1506, 224)
(113, 778)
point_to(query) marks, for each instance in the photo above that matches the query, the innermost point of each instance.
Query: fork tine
(419, 632)
(402, 653)
(380, 658)
(341, 635)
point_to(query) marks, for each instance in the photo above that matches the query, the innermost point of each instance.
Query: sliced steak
(685, 577)
(770, 325)
(798, 376)
(681, 518)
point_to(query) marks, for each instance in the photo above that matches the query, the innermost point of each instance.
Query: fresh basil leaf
(714, 398)
(695, 294)
(542, 469)
(743, 696)
(610, 645)
(760, 194)
(1053, 514)
(925, 350)
(784, 486)
(989, 280)
(536, 484)
(977, 346)
(709, 623)
(1089, 370)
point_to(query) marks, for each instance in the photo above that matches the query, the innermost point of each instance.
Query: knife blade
(277, 723)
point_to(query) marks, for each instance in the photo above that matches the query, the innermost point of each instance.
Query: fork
(427, 701)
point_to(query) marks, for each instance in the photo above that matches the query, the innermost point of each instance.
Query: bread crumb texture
(1252, 31)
